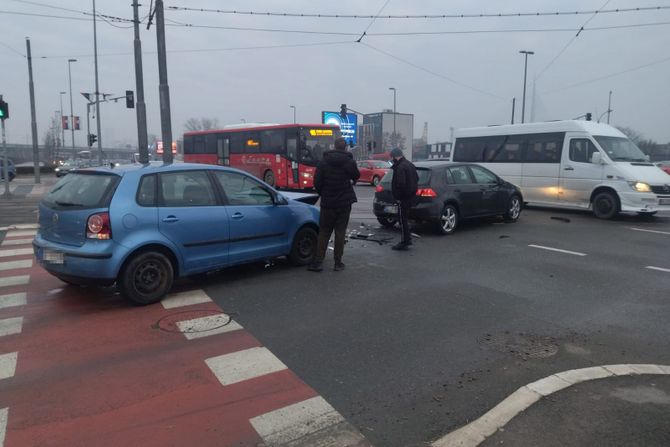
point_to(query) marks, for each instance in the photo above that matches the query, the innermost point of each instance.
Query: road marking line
(576, 253)
(8, 365)
(660, 269)
(650, 231)
(14, 280)
(20, 227)
(476, 432)
(206, 326)
(185, 299)
(14, 233)
(17, 252)
(8, 242)
(3, 424)
(244, 365)
(10, 326)
(11, 265)
(12, 300)
(291, 423)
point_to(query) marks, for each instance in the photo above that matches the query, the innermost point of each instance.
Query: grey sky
(260, 84)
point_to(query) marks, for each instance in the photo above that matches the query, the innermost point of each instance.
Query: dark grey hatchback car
(450, 192)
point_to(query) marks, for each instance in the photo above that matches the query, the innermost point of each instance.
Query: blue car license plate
(47, 256)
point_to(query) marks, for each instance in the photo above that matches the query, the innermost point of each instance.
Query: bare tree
(52, 140)
(195, 124)
(631, 133)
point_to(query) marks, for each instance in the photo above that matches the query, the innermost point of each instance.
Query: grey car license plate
(664, 201)
(391, 209)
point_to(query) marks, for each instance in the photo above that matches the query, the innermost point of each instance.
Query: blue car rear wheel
(146, 278)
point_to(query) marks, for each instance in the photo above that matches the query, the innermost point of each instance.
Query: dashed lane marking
(309, 422)
(8, 365)
(659, 269)
(17, 252)
(12, 300)
(206, 326)
(3, 424)
(10, 326)
(14, 280)
(185, 299)
(8, 242)
(476, 432)
(568, 252)
(13, 233)
(651, 231)
(12, 265)
(244, 365)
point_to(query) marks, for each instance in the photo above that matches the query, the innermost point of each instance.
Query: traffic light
(343, 111)
(369, 145)
(4, 110)
(588, 117)
(92, 138)
(130, 99)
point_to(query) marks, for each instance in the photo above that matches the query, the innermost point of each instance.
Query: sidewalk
(619, 411)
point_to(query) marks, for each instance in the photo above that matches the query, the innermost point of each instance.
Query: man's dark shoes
(403, 246)
(315, 267)
(339, 266)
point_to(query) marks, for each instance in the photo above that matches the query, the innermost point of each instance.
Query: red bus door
(223, 150)
(292, 174)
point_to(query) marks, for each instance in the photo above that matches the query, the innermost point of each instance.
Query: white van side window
(581, 150)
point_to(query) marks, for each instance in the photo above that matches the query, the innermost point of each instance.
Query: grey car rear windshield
(422, 173)
(80, 190)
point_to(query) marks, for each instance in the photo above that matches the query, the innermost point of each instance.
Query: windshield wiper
(68, 204)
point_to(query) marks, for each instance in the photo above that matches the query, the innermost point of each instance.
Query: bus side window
(292, 148)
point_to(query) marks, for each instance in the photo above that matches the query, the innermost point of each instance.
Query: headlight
(57, 169)
(640, 186)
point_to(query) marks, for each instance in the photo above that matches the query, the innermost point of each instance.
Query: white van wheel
(605, 205)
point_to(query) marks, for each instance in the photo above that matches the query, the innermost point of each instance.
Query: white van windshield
(621, 149)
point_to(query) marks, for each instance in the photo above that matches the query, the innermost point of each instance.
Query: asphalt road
(411, 345)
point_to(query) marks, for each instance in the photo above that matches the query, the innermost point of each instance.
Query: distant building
(377, 135)
(438, 151)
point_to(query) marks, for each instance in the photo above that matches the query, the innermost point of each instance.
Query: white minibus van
(572, 164)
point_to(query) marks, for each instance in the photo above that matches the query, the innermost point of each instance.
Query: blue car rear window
(82, 190)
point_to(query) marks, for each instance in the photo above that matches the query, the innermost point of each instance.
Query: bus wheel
(605, 205)
(269, 178)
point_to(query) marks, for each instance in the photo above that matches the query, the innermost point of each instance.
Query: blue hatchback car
(142, 226)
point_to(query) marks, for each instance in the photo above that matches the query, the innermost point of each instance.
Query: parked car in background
(142, 226)
(449, 193)
(372, 171)
(664, 165)
(11, 169)
(65, 168)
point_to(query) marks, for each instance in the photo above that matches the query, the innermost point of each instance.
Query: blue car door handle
(170, 219)
(238, 216)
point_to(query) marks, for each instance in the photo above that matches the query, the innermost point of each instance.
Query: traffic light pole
(5, 164)
(142, 138)
(97, 86)
(33, 120)
(163, 88)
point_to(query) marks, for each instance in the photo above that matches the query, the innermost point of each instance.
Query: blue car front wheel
(303, 249)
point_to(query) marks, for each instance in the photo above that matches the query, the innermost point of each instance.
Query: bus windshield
(621, 149)
(315, 142)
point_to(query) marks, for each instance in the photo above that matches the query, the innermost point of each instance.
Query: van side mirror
(597, 158)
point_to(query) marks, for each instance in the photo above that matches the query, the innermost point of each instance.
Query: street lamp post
(62, 128)
(69, 70)
(394, 92)
(293, 107)
(525, 73)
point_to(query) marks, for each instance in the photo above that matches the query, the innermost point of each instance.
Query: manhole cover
(193, 321)
(526, 346)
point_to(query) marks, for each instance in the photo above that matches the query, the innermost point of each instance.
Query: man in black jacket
(403, 186)
(334, 180)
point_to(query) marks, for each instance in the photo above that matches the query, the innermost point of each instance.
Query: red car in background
(665, 165)
(372, 171)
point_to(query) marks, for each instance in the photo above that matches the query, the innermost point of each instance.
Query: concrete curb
(20, 227)
(477, 431)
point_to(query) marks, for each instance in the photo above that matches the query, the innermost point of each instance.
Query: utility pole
(609, 107)
(97, 87)
(525, 73)
(394, 92)
(69, 70)
(33, 120)
(513, 105)
(142, 139)
(5, 161)
(62, 128)
(163, 88)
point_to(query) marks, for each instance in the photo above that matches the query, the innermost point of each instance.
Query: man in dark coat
(403, 186)
(334, 180)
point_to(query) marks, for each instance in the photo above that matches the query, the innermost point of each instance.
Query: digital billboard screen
(348, 125)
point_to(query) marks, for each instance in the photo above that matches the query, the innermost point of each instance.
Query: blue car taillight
(98, 227)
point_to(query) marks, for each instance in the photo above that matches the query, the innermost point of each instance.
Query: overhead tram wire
(373, 20)
(419, 16)
(611, 75)
(560, 53)
(434, 73)
(12, 49)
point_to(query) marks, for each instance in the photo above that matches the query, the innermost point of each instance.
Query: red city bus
(284, 156)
